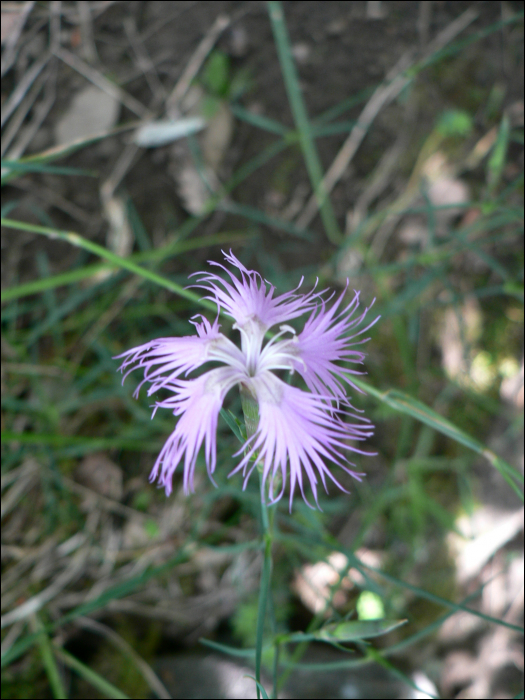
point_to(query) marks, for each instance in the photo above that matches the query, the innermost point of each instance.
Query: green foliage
(216, 74)
(455, 123)
(346, 631)
(497, 158)
(31, 684)
(221, 82)
(243, 622)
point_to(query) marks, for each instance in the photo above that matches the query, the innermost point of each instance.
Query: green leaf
(230, 651)
(404, 403)
(155, 255)
(352, 630)
(264, 694)
(125, 263)
(60, 151)
(234, 424)
(216, 73)
(48, 659)
(455, 122)
(346, 631)
(497, 158)
(105, 688)
(21, 167)
(302, 121)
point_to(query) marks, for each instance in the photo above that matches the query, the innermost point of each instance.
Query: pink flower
(298, 431)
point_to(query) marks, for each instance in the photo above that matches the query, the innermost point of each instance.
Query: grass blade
(80, 242)
(157, 254)
(306, 140)
(404, 403)
(106, 688)
(48, 659)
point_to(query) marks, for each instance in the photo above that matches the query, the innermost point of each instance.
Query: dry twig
(396, 81)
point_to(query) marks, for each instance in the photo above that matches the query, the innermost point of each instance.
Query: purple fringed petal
(297, 431)
(327, 338)
(165, 359)
(198, 402)
(248, 299)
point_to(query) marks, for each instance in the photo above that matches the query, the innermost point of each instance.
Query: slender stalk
(48, 659)
(404, 403)
(264, 590)
(251, 420)
(300, 115)
(80, 242)
(276, 650)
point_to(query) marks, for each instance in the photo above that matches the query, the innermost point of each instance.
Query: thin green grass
(306, 138)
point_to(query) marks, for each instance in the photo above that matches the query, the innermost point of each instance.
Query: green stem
(302, 122)
(76, 240)
(48, 659)
(264, 590)
(250, 409)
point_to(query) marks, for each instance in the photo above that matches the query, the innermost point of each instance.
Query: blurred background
(138, 140)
